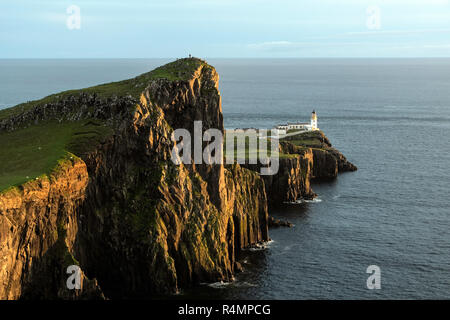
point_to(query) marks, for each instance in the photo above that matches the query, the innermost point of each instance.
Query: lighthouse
(314, 121)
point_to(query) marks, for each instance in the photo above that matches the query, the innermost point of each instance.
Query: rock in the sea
(273, 222)
(238, 267)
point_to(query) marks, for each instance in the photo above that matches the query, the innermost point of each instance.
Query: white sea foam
(234, 283)
(315, 200)
(261, 246)
(218, 285)
(299, 201)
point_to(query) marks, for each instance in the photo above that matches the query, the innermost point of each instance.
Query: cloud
(272, 44)
(290, 46)
(392, 2)
(437, 46)
(395, 32)
(300, 48)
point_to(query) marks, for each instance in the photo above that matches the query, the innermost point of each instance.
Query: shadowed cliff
(127, 215)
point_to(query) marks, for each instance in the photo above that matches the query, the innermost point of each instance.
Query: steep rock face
(167, 226)
(292, 181)
(343, 164)
(247, 203)
(301, 163)
(38, 226)
(132, 218)
(327, 161)
(293, 178)
(325, 165)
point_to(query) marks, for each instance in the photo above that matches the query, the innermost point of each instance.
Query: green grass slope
(309, 139)
(33, 151)
(181, 69)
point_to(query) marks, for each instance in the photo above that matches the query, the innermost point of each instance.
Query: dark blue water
(389, 117)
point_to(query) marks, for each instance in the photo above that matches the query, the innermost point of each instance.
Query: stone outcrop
(275, 223)
(72, 107)
(301, 164)
(326, 161)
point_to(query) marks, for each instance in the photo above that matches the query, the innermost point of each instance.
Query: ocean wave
(299, 201)
(260, 246)
(234, 283)
(218, 285)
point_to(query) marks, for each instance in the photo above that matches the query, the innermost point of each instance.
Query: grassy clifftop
(309, 139)
(31, 152)
(34, 149)
(182, 69)
(304, 140)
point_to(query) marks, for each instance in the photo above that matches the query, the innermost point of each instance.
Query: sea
(390, 117)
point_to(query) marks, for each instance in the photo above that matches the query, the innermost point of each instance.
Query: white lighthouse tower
(314, 121)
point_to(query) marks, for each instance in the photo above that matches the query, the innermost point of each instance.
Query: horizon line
(174, 58)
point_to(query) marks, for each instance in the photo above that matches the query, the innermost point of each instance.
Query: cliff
(305, 157)
(136, 223)
(89, 181)
(38, 228)
(293, 180)
(327, 161)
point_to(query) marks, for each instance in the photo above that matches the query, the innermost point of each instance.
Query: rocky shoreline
(133, 221)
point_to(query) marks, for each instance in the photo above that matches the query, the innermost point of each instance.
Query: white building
(314, 125)
(299, 126)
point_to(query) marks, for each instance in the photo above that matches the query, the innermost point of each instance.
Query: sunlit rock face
(135, 222)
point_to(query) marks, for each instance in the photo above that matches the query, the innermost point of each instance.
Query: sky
(224, 28)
